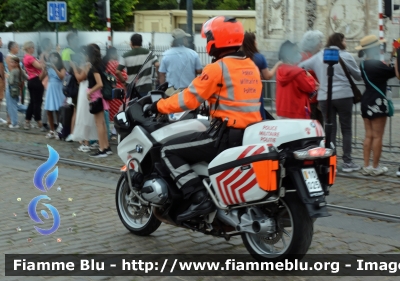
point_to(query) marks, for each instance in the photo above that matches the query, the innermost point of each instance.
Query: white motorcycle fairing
(277, 132)
(244, 173)
(178, 129)
(137, 144)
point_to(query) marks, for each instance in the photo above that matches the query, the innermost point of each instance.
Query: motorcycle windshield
(135, 110)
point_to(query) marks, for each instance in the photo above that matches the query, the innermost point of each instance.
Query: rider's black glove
(151, 110)
(398, 57)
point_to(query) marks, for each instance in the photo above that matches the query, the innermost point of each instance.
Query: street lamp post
(179, 2)
(189, 8)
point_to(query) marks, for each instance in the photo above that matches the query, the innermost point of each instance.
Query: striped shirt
(133, 61)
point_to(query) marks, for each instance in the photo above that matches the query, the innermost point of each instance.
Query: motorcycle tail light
(313, 153)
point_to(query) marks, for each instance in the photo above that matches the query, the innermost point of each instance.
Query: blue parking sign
(56, 11)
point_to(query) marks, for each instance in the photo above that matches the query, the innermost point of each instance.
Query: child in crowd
(16, 79)
(54, 95)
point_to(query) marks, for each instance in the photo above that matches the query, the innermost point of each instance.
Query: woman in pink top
(36, 72)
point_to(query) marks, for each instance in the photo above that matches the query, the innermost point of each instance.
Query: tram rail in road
(332, 207)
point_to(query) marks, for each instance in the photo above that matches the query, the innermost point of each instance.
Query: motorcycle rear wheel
(294, 244)
(137, 219)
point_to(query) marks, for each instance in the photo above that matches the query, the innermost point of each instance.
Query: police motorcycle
(269, 190)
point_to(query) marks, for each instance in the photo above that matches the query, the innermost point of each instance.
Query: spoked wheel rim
(132, 212)
(278, 243)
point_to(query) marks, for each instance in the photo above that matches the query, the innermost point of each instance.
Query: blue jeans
(107, 119)
(262, 109)
(12, 108)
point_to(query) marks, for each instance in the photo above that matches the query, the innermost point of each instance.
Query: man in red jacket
(293, 85)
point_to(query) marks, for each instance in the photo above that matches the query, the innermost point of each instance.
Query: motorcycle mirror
(118, 93)
(163, 87)
(121, 120)
(157, 95)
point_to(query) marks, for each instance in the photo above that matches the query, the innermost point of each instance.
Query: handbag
(70, 85)
(14, 91)
(356, 92)
(96, 106)
(109, 83)
(390, 105)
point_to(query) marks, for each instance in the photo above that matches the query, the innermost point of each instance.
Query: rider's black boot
(200, 206)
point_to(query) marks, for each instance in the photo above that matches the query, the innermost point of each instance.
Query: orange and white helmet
(222, 32)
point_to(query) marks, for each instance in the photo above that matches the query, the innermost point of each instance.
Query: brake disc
(273, 239)
(137, 212)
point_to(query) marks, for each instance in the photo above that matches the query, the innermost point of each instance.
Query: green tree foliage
(3, 15)
(31, 15)
(83, 17)
(27, 15)
(197, 5)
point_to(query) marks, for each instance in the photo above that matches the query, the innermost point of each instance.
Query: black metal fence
(391, 144)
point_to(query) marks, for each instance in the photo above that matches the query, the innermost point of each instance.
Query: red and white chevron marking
(233, 183)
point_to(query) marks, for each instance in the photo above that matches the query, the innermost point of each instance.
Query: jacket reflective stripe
(192, 89)
(226, 99)
(181, 101)
(243, 108)
(228, 80)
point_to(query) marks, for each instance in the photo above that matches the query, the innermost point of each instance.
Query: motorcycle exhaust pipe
(157, 213)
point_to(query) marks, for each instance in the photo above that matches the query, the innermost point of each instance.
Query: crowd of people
(301, 86)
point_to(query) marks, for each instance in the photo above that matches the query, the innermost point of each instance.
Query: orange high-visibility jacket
(233, 81)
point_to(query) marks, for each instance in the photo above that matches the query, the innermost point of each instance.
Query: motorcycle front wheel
(293, 235)
(137, 218)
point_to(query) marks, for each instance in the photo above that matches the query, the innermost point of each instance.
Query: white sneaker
(84, 148)
(70, 138)
(366, 171)
(13, 127)
(50, 135)
(94, 146)
(2, 121)
(59, 128)
(378, 171)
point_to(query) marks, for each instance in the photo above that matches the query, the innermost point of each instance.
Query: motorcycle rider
(232, 86)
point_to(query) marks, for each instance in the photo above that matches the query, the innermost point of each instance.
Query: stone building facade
(280, 20)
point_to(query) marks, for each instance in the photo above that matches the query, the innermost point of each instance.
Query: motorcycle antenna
(331, 57)
(132, 85)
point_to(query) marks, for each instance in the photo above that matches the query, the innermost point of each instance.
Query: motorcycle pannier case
(245, 174)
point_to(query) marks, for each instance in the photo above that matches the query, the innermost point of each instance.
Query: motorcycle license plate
(312, 181)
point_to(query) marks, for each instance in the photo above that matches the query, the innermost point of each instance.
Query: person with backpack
(15, 79)
(111, 62)
(95, 96)
(73, 44)
(375, 102)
